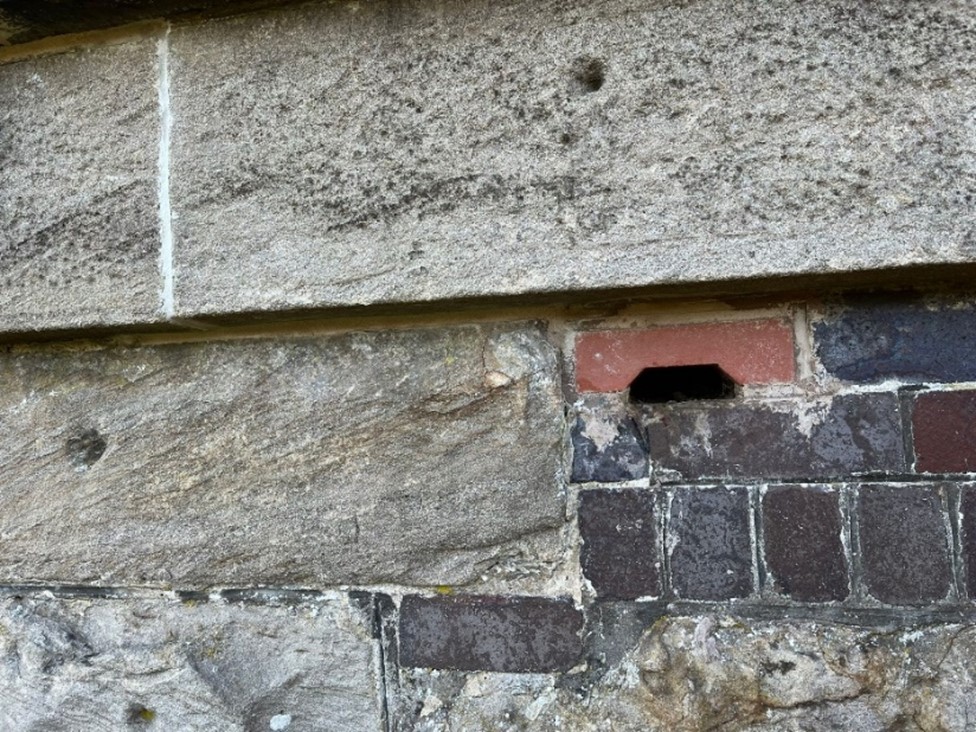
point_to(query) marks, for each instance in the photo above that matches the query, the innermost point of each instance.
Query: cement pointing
(364, 153)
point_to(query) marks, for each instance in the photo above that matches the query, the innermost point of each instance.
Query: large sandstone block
(420, 457)
(79, 235)
(87, 665)
(357, 153)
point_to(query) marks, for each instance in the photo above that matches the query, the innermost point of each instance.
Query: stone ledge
(23, 21)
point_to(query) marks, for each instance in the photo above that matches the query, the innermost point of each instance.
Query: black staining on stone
(607, 448)
(619, 555)
(904, 543)
(802, 529)
(854, 434)
(710, 543)
(138, 715)
(33, 19)
(589, 73)
(85, 449)
(681, 384)
(877, 340)
(508, 634)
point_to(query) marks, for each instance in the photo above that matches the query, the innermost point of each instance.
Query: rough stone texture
(944, 432)
(709, 543)
(608, 442)
(872, 341)
(365, 153)
(423, 457)
(779, 438)
(515, 634)
(904, 543)
(802, 543)
(620, 555)
(79, 239)
(710, 673)
(85, 665)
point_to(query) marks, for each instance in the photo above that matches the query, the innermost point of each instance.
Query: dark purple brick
(968, 537)
(875, 341)
(859, 434)
(711, 558)
(803, 547)
(513, 634)
(904, 543)
(944, 430)
(608, 443)
(619, 552)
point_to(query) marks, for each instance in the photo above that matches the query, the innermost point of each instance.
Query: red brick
(944, 428)
(750, 352)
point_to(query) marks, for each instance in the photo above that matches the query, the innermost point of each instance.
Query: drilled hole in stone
(589, 72)
(681, 384)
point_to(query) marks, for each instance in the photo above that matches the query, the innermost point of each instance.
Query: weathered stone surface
(514, 634)
(876, 340)
(709, 543)
(804, 551)
(428, 456)
(365, 153)
(79, 140)
(620, 555)
(806, 439)
(944, 431)
(608, 442)
(85, 665)
(905, 543)
(707, 673)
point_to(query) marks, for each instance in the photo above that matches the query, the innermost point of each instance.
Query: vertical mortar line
(664, 498)
(960, 549)
(759, 572)
(382, 660)
(852, 540)
(167, 298)
(906, 406)
(952, 506)
(803, 340)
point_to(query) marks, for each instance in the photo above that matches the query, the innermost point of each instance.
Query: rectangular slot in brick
(750, 352)
(619, 552)
(710, 543)
(944, 430)
(802, 540)
(510, 634)
(904, 543)
(854, 434)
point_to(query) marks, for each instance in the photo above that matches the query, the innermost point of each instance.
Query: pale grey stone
(87, 665)
(79, 235)
(363, 153)
(706, 673)
(422, 457)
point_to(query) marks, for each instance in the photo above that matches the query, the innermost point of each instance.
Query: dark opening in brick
(681, 384)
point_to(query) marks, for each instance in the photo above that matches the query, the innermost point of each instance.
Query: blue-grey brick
(873, 341)
(608, 443)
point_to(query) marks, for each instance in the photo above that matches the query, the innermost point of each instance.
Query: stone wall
(485, 366)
